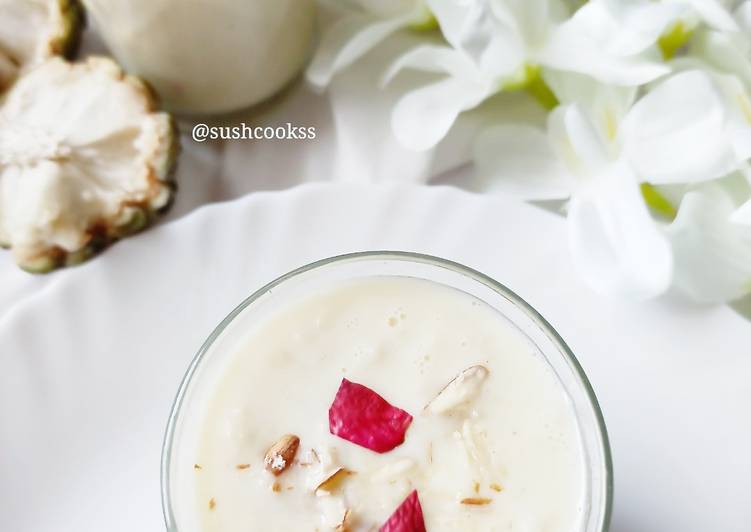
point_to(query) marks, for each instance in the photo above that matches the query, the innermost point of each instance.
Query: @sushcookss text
(243, 131)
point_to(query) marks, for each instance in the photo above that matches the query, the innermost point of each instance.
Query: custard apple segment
(84, 160)
(34, 30)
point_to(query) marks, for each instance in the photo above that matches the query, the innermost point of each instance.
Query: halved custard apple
(85, 159)
(34, 30)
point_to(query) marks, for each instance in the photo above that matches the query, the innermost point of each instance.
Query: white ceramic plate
(89, 364)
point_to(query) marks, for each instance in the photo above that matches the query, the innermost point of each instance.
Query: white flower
(504, 44)
(712, 254)
(742, 216)
(362, 27)
(713, 13)
(600, 146)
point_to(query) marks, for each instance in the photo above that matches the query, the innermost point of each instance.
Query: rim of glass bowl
(429, 260)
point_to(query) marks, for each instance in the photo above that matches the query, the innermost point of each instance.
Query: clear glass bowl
(207, 366)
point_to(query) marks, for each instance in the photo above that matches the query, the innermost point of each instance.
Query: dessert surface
(385, 394)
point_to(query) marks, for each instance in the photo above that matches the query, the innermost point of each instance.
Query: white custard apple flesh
(32, 31)
(85, 159)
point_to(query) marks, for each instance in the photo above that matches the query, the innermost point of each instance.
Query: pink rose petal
(363, 417)
(407, 518)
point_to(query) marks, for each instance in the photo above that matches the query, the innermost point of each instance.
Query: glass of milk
(208, 56)
(527, 450)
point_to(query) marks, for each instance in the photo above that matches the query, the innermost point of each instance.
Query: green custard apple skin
(86, 159)
(32, 31)
(68, 41)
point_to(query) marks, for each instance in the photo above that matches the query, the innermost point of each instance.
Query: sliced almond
(334, 513)
(463, 389)
(326, 466)
(344, 526)
(280, 455)
(476, 501)
(333, 481)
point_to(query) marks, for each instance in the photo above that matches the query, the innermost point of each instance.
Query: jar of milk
(208, 56)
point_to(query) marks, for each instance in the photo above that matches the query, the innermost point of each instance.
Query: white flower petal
(712, 255)
(572, 87)
(742, 16)
(434, 58)
(607, 105)
(596, 42)
(738, 110)
(422, 117)
(742, 215)
(576, 141)
(532, 19)
(458, 19)
(572, 52)
(504, 56)
(676, 133)
(347, 40)
(737, 99)
(518, 160)
(724, 51)
(624, 28)
(615, 244)
(714, 13)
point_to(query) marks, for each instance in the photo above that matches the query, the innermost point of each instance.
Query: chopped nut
(496, 487)
(476, 486)
(212, 503)
(281, 454)
(476, 501)
(333, 512)
(197, 466)
(311, 458)
(333, 481)
(344, 526)
(462, 389)
(326, 467)
(276, 487)
(242, 466)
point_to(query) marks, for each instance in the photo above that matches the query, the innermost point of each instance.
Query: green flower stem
(529, 78)
(541, 92)
(657, 202)
(674, 39)
(429, 23)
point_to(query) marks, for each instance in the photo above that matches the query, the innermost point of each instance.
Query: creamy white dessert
(493, 443)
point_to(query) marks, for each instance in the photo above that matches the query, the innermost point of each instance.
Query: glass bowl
(207, 367)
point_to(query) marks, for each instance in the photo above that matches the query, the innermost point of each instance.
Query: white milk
(515, 447)
(208, 56)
